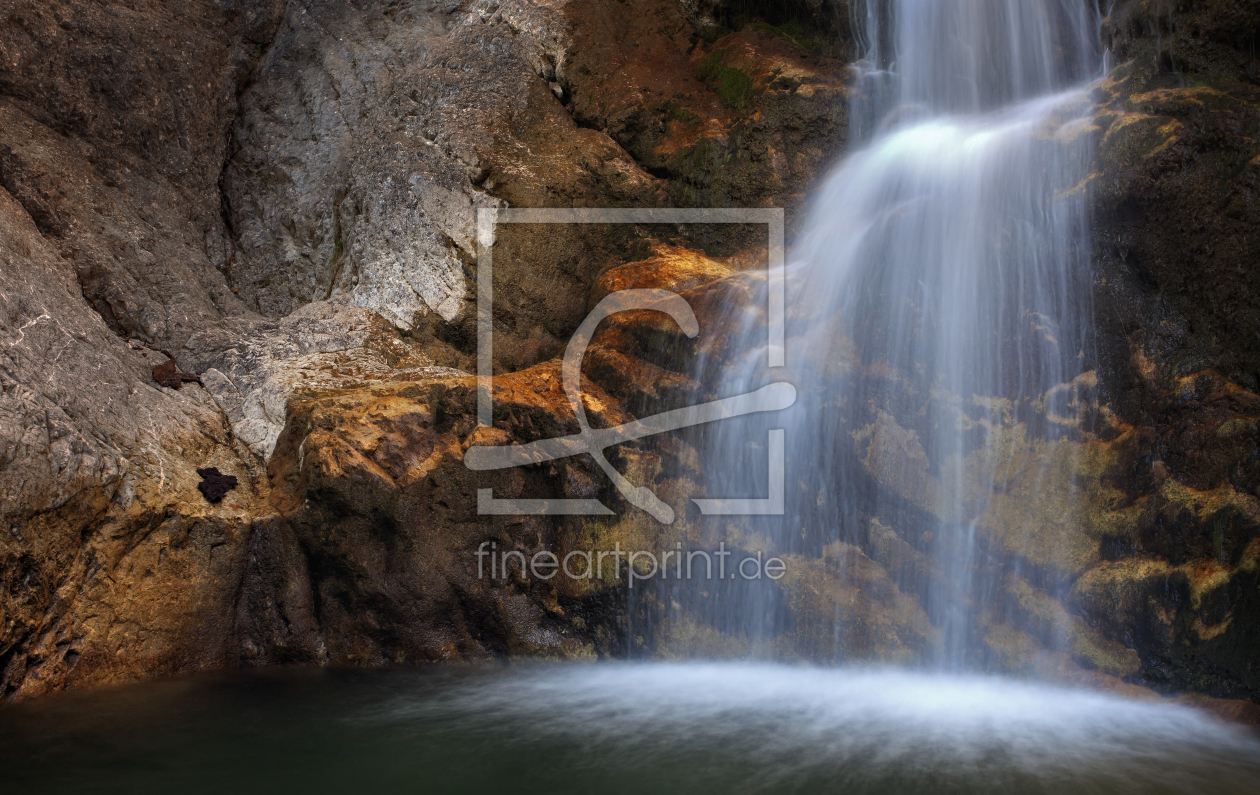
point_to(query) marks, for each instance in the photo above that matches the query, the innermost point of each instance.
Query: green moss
(733, 86)
(785, 83)
(792, 31)
(695, 169)
(712, 33)
(672, 110)
(1218, 539)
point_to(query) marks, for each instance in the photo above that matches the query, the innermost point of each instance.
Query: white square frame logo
(774, 397)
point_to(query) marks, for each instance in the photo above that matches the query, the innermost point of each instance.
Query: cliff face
(282, 196)
(114, 127)
(1176, 255)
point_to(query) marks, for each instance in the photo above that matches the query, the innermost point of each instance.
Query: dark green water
(614, 728)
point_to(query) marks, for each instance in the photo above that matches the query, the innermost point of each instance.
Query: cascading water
(938, 309)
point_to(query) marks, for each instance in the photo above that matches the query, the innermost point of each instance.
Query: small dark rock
(168, 374)
(214, 484)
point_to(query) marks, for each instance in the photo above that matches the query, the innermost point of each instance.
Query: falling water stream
(939, 307)
(939, 340)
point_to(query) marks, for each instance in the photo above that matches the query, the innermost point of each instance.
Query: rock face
(749, 119)
(115, 120)
(323, 346)
(113, 564)
(372, 137)
(283, 198)
(1176, 252)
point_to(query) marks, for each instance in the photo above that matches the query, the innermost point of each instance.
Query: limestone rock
(113, 132)
(114, 567)
(252, 372)
(373, 136)
(373, 481)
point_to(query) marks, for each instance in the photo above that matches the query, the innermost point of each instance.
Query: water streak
(939, 308)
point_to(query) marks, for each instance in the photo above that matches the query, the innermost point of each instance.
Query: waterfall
(938, 311)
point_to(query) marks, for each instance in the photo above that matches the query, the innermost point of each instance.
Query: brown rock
(763, 141)
(168, 374)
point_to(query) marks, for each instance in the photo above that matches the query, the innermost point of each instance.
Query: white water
(757, 728)
(939, 294)
(616, 728)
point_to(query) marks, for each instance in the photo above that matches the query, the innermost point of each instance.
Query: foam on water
(790, 726)
(616, 728)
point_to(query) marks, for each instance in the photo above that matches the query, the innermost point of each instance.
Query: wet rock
(1177, 132)
(332, 315)
(846, 607)
(374, 484)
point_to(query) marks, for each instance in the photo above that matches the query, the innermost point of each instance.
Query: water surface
(618, 728)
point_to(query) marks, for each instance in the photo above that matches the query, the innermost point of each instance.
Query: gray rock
(324, 346)
(374, 134)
